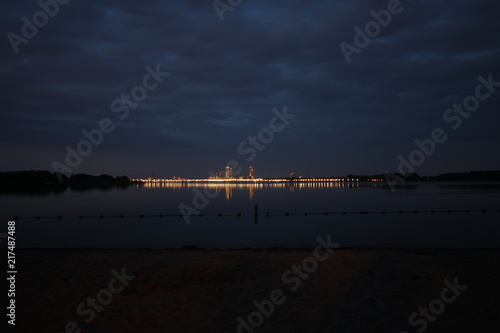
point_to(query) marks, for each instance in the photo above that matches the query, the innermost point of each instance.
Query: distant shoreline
(472, 176)
(40, 178)
(245, 181)
(279, 181)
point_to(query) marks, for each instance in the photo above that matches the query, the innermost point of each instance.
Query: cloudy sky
(226, 77)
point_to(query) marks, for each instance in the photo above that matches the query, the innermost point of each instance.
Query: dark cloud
(226, 78)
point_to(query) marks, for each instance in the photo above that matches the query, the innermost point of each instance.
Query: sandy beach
(191, 290)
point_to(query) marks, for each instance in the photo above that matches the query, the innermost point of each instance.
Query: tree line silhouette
(42, 182)
(471, 176)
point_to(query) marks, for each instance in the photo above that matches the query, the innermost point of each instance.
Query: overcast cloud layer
(227, 76)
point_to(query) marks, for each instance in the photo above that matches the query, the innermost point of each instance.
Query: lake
(286, 226)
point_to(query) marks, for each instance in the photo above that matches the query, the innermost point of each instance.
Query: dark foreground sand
(354, 290)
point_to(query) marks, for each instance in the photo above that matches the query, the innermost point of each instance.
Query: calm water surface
(455, 230)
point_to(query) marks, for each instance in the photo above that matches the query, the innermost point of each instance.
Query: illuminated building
(229, 172)
(251, 173)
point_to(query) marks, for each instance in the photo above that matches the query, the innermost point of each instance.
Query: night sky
(226, 77)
